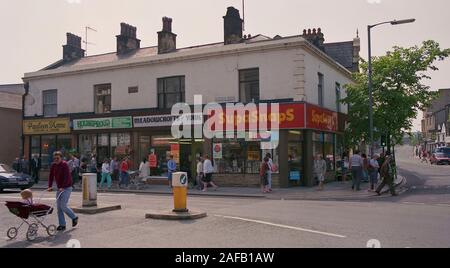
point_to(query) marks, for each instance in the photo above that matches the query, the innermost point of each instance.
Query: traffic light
(383, 141)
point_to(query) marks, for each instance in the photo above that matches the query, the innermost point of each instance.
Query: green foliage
(398, 91)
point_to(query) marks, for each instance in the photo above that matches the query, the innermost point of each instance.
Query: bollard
(89, 190)
(180, 189)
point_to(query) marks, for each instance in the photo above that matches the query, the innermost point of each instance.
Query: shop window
(320, 89)
(48, 148)
(163, 146)
(338, 97)
(87, 146)
(50, 103)
(35, 146)
(102, 98)
(120, 145)
(103, 151)
(295, 155)
(64, 145)
(238, 156)
(171, 90)
(249, 85)
(329, 151)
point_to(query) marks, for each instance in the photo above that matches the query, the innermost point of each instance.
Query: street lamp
(369, 28)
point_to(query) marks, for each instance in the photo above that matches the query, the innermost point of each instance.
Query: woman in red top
(124, 176)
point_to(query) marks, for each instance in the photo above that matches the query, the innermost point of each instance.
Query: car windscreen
(5, 169)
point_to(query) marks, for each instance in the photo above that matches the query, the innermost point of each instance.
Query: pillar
(308, 163)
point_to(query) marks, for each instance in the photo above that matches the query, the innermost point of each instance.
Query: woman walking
(208, 170)
(263, 174)
(200, 174)
(144, 169)
(106, 174)
(124, 176)
(320, 169)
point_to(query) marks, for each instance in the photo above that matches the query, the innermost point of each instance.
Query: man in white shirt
(373, 171)
(356, 167)
(208, 170)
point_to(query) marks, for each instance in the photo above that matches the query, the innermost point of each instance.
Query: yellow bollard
(180, 190)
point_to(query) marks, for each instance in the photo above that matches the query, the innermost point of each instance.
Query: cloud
(73, 1)
(372, 2)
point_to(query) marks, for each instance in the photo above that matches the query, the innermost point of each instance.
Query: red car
(440, 159)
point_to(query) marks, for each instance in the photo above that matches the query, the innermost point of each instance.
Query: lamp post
(369, 28)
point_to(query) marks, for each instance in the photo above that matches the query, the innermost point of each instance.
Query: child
(27, 196)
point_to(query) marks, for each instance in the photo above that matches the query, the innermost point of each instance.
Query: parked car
(10, 179)
(445, 150)
(440, 159)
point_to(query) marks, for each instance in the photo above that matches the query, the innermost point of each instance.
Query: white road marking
(413, 203)
(283, 226)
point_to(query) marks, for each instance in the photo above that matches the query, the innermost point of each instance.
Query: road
(418, 218)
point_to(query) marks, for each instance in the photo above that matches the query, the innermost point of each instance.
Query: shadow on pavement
(58, 240)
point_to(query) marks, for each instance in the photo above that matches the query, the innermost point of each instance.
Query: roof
(341, 52)
(13, 89)
(149, 55)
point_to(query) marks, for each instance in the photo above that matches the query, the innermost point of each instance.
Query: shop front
(304, 131)
(156, 143)
(45, 136)
(104, 138)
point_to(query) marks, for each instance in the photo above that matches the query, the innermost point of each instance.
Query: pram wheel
(12, 232)
(51, 230)
(32, 232)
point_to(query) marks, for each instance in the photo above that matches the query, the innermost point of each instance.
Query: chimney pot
(127, 40)
(233, 30)
(167, 40)
(72, 49)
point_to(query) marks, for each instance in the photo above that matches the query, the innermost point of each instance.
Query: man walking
(356, 166)
(35, 168)
(60, 173)
(387, 173)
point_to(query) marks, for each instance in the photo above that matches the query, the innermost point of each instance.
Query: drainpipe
(27, 88)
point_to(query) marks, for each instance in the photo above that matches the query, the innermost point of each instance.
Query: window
(338, 97)
(102, 98)
(238, 156)
(132, 90)
(320, 89)
(50, 100)
(249, 85)
(170, 91)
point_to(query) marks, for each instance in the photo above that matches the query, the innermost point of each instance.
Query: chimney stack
(167, 41)
(315, 37)
(72, 50)
(127, 41)
(232, 27)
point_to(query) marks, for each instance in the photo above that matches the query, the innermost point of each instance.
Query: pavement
(333, 191)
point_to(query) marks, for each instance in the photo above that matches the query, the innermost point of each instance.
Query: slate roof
(342, 52)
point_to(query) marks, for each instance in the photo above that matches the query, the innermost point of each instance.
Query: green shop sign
(103, 123)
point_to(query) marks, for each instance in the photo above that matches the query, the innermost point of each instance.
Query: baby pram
(31, 215)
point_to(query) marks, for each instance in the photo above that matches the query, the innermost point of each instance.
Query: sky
(33, 31)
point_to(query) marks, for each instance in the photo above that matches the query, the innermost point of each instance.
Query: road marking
(283, 226)
(413, 203)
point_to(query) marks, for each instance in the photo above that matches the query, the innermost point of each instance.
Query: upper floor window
(171, 90)
(320, 89)
(102, 100)
(50, 103)
(249, 85)
(338, 97)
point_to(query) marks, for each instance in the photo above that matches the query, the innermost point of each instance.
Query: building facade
(436, 122)
(119, 104)
(11, 120)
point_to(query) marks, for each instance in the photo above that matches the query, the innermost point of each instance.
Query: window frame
(320, 89)
(96, 98)
(162, 92)
(44, 104)
(244, 82)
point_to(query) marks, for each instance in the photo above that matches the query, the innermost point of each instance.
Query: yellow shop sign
(46, 126)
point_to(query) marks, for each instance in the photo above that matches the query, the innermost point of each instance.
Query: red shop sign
(321, 119)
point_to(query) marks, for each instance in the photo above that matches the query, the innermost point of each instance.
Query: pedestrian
(345, 167)
(106, 174)
(74, 165)
(94, 163)
(320, 169)
(269, 172)
(424, 157)
(16, 165)
(59, 172)
(24, 165)
(144, 169)
(115, 169)
(365, 168)
(124, 176)
(208, 170)
(263, 175)
(171, 168)
(35, 168)
(200, 174)
(387, 174)
(373, 172)
(356, 164)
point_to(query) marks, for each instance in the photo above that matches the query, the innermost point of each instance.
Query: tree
(399, 92)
